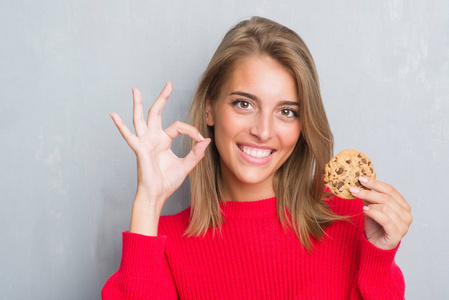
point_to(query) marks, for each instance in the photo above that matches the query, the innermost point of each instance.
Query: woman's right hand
(159, 171)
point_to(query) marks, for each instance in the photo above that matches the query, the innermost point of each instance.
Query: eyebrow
(254, 97)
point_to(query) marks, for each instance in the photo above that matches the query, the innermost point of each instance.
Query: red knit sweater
(253, 258)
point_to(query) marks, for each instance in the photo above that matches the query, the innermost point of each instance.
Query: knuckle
(387, 222)
(409, 219)
(200, 155)
(390, 189)
(403, 230)
(385, 209)
(155, 111)
(408, 207)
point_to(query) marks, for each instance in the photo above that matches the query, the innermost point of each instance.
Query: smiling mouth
(256, 152)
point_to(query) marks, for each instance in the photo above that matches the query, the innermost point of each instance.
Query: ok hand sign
(159, 171)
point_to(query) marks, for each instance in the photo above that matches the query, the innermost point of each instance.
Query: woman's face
(256, 122)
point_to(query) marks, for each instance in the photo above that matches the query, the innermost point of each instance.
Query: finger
(369, 196)
(177, 128)
(139, 123)
(195, 155)
(155, 112)
(384, 188)
(126, 133)
(394, 231)
(389, 212)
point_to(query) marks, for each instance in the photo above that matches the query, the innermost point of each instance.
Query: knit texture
(253, 257)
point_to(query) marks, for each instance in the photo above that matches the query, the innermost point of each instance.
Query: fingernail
(200, 136)
(363, 179)
(365, 208)
(354, 190)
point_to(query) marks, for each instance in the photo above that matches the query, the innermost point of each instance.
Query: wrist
(145, 198)
(145, 216)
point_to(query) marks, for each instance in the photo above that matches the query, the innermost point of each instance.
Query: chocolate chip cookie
(343, 171)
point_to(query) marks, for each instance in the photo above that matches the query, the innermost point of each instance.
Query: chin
(256, 178)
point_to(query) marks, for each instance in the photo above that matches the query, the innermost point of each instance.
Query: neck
(238, 191)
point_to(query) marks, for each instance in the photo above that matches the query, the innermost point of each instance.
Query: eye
(289, 113)
(242, 104)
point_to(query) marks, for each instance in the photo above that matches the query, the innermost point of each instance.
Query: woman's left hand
(387, 214)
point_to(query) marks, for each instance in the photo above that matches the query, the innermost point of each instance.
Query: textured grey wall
(67, 178)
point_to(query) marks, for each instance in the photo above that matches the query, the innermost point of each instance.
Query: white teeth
(256, 153)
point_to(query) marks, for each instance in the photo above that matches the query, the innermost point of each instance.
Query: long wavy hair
(298, 184)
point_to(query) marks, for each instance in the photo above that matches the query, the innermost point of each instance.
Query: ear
(209, 113)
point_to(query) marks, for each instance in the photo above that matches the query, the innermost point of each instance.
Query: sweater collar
(250, 209)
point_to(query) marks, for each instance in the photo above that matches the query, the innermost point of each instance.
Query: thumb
(195, 155)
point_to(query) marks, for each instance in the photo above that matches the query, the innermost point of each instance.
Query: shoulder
(174, 225)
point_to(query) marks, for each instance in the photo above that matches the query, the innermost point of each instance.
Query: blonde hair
(299, 182)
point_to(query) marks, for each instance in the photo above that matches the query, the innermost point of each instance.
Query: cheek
(290, 136)
(223, 130)
(228, 125)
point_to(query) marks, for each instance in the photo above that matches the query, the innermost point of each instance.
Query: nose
(262, 127)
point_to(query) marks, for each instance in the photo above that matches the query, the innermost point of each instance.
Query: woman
(260, 225)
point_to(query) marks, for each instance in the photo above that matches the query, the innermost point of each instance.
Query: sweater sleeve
(144, 272)
(379, 277)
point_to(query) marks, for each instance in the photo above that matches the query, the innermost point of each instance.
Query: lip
(254, 146)
(254, 160)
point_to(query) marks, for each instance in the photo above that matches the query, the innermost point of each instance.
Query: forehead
(261, 76)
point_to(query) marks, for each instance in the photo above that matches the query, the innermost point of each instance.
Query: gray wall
(68, 179)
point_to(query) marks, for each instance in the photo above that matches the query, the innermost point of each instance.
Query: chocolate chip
(358, 184)
(363, 171)
(357, 174)
(371, 169)
(348, 161)
(369, 163)
(340, 171)
(360, 155)
(363, 160)
(340, 184)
